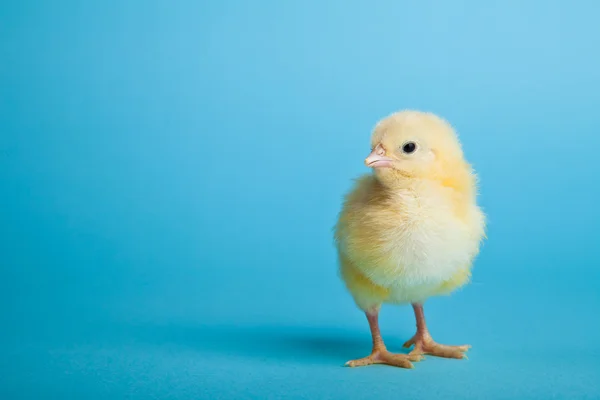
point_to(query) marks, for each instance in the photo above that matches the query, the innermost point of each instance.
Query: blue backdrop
(171, 170)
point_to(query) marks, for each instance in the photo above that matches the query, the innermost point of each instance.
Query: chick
(411, 229)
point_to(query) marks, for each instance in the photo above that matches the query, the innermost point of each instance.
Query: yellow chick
(411, 229)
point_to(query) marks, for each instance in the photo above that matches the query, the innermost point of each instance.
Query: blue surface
(171, 171)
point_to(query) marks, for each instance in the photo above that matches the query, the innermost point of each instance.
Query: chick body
(407, 238)
(407, 245)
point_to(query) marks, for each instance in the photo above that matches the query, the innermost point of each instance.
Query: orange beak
(377, 158)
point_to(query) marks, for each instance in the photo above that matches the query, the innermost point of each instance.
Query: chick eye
(409, 147)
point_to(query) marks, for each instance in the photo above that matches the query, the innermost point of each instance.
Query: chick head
(413, 144)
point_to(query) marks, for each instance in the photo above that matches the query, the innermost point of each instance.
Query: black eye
(409, 147)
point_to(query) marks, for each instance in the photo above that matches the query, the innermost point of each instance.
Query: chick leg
(424, 344)
(379, 354)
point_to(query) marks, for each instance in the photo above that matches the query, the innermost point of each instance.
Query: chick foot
(379, 354)
(382, 356)
(424, 344)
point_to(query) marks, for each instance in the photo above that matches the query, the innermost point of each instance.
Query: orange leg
(424, 344)
(379, 354)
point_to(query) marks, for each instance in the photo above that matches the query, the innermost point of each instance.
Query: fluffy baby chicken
(411, 229)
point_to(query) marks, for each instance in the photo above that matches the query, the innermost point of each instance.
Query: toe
(396, 360)
(385, 357)
(416, 356)
(360, 362)
(441, 350)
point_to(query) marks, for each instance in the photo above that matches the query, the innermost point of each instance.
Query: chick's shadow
(267, 343)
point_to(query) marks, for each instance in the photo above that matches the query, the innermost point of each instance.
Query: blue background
(171, 171)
